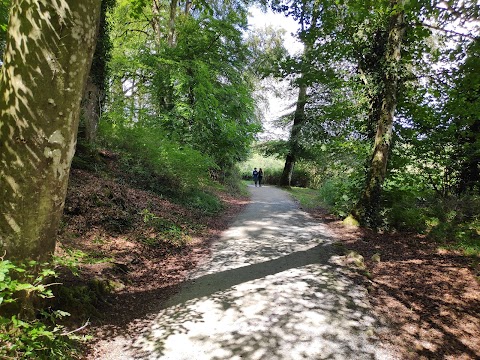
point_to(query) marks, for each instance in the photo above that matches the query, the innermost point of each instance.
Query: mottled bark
(188, 7)
(171, 22)
(366, 210)
(156, 16)
(294, 141)
(50, 44)
(91, 110)
(95, 89)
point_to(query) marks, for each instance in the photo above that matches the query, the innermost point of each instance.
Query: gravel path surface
(271, 290)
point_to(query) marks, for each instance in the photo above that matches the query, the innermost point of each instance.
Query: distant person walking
(255, 176)
(260, 177)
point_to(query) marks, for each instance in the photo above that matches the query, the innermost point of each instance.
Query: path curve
(271, 290)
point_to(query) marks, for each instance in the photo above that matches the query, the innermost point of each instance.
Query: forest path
(271, 290)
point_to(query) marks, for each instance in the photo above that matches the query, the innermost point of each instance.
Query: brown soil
(430, 297)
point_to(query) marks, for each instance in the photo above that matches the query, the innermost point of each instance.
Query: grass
(269, 164)
(308, 198)
(469, 246)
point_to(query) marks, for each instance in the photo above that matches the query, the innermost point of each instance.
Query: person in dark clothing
(260, 177)
(255, 176)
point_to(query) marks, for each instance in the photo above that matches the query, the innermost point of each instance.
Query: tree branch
(80, 328)
(452, 32)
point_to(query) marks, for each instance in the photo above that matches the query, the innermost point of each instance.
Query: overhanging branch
(446, 31)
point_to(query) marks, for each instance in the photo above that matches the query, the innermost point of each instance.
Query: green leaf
(24, 286)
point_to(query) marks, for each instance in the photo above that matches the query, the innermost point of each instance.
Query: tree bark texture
(95, 89)
(91, 110)
(171, 22)
(366, 210)
(156, 18)
(298, 120)
(50, 45)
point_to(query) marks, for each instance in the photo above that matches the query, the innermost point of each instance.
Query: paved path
(271, 290)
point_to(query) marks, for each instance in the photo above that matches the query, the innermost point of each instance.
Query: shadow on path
(270, 291)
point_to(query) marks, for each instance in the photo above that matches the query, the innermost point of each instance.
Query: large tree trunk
(47, 59)
(299, 115)
(366, 210)
(294, 142)
(94, 95)
(91, 110)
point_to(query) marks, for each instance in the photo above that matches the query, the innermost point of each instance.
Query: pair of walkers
(257, 176)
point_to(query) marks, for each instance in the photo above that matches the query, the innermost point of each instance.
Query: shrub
(165, 231)
(203, 201)
(33, 333)
(301, 177)
(456, 222)
(156, 163)
(404, 217)
(339, 194)
(403, 209)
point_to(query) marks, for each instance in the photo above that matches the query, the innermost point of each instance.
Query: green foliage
(84, 299)
(301, 177)
(154, 162)
(270, 165)
(308, 198)
(72, 259)
(339, 193)
(203, 201)
(455, 221)
(401, 215)
(27, 337)
(197, 91)
(4, 14)
(164, 231)
(231, 182)
(267, 51)
(23, 277)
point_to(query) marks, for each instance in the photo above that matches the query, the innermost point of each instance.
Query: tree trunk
(295, 148)
(469, 146)
(91, 110)
(156, 18)
(94, 95)
(366, 210)
(188, 7)
(47, 59)
(299, 116)
(171, 22)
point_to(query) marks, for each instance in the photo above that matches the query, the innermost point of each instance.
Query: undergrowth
(28, 328)
(452, 221)
(163, 231)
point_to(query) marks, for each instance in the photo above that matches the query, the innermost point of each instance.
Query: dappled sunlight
(302, 312)
(298, 313)
(42, 84)
(269, 291)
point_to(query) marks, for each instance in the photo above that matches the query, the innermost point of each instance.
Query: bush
(403, 209)
(300, 177)
(33, 333)
(404, 217)
(205, 202)
(456, 222)
(339, 194)
(153, 162)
